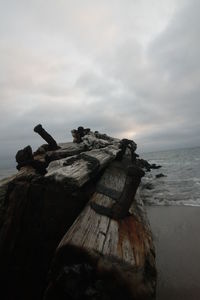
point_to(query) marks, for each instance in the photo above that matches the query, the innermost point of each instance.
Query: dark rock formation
(144, 164)
(160, 175)
(148, 186)
(154, 166)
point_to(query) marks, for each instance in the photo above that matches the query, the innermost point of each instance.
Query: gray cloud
(128, 68)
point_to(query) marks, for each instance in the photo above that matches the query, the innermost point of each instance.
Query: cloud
(130, 69)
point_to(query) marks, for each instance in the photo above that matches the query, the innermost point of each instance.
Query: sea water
(181, 186)
(7, 166)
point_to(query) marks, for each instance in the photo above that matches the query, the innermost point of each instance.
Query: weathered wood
(121, 208)
(103, 257)
(79, 133)
(36, 211)
(89, 141)
(66, 150)
(34, 215)
(76, 171)
(93, 141)
(3, 190)
(120, 254)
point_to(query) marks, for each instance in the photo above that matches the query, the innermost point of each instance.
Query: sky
(128, 68)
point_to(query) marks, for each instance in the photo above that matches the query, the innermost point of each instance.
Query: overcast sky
(129, 68)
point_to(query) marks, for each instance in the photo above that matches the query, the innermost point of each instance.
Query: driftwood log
(38, 208)
(106, 258)
(77, 170)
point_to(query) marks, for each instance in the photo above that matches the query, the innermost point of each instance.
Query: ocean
(181, 186)
(7, 166)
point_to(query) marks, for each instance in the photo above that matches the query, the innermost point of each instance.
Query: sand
(176, 232)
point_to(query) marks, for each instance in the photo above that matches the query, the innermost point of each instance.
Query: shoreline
(176, 238)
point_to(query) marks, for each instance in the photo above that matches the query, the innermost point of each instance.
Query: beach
(176, 233)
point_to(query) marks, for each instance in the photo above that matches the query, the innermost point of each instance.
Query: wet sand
(176, 232)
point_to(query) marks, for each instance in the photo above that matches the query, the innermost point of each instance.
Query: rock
(154, 166)
(160, 175)
(148, 186)
(142, 163)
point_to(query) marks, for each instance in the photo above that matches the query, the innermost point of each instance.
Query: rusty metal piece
(47, 137)
(121, 208)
